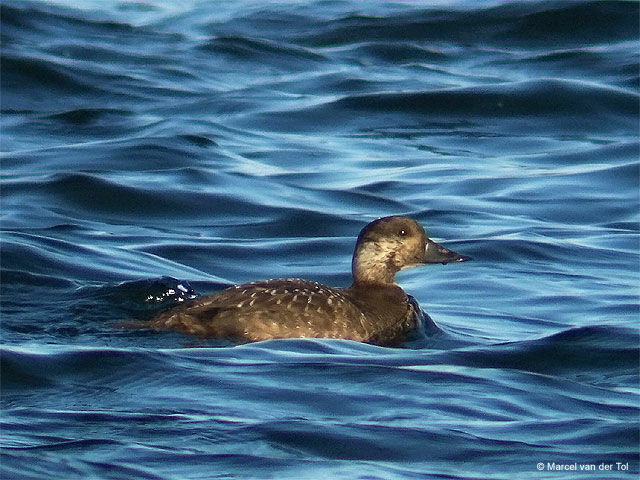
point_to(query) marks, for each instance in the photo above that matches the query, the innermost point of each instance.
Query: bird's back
(292, 308)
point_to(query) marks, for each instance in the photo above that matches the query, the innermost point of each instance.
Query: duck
(373, 309)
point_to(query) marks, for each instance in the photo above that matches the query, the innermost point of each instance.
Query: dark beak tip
(442, 255)
(458, 259)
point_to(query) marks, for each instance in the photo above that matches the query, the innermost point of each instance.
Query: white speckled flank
(373, 309)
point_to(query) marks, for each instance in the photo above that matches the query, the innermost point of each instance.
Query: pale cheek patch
(372, 254)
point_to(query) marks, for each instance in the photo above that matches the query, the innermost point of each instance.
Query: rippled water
(147, 145)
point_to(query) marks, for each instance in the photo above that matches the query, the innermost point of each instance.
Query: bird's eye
(402, 232)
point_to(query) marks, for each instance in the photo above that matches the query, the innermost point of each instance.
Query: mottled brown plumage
(373, 309)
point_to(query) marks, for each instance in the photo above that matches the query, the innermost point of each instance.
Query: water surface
(147, 146)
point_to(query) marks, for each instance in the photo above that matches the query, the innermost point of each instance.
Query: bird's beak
(435, 253)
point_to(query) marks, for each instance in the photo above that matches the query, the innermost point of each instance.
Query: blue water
(151, 144)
